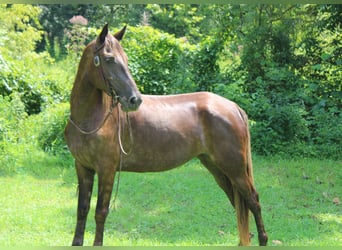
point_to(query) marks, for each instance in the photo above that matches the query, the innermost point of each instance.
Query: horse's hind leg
(246, 189)
(105, 186)
(221, 179)
(85, 186)
(226, 185)
(241, 188)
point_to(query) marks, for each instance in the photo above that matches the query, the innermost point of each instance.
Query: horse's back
(198, 107)
(187, 111)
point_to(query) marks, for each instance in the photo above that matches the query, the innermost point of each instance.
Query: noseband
(97, 63)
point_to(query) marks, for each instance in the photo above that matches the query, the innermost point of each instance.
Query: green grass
(179, 207)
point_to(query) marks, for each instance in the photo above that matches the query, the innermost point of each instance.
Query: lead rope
(115, 99)
(122, 151)
(94, 130)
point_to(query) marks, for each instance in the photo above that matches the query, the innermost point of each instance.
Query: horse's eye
(97, 61)
(110, 59)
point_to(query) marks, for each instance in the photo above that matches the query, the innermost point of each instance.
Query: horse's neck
(88, 105)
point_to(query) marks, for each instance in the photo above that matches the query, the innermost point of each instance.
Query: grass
(180, 207)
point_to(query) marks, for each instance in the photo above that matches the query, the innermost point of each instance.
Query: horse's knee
(101, 214)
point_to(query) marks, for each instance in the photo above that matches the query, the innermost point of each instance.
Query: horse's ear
(119, 35)
(103, 33)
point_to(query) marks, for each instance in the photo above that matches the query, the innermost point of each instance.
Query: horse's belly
(160, 156)
(154, 163)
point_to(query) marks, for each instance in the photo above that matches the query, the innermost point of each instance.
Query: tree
(20, 28)
(55, 20)
(19, 75)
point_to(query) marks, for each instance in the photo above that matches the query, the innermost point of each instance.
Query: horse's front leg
(85, 186)
(105, 183)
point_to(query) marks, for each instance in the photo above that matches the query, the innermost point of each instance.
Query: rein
(94, 130)
(122, 151)
(103, 122)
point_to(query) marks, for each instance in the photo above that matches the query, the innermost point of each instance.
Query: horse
(162, 132)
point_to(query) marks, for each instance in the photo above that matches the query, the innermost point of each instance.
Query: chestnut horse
(162, 133)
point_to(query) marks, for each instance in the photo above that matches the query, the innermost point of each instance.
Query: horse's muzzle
(130, 104)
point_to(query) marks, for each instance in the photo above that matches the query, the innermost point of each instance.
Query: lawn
(300, 199)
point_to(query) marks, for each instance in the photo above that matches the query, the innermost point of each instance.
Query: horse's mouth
(132, 104)
(127, 104)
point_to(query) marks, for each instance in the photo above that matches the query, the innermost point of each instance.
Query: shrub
(282, 128)
(50, 130)
(32, 76)
(12, 115)
(326, 135)
(37, 87)
(158, 61)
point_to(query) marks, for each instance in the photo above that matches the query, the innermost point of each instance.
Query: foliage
(283, 95)
(77, 40)
(12, 116)
(37, 87)
(206, 72)
(182, 20)
(21, 25)
(326, 134)
(50, 133)
(270, 59)
(21, 134)
(55, 20)
(158, 60)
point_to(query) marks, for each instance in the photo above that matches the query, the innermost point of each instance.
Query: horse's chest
(90, 149)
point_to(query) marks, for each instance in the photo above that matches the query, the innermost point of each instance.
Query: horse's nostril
(133, 100)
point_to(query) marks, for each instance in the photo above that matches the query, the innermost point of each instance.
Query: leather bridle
(98, 65)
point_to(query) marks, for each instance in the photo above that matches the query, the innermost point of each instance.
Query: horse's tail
(241, 207)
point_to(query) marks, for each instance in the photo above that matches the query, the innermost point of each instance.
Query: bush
(37, 87)
(12, 116)
(326, 135)
(32, 76)
(50, 130)
(158, 61)
(281, 130)
(234, 92)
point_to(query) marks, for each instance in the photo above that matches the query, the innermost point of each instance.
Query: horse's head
(114, 77)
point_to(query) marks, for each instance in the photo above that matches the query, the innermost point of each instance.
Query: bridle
(115, 101)
(98, 65)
